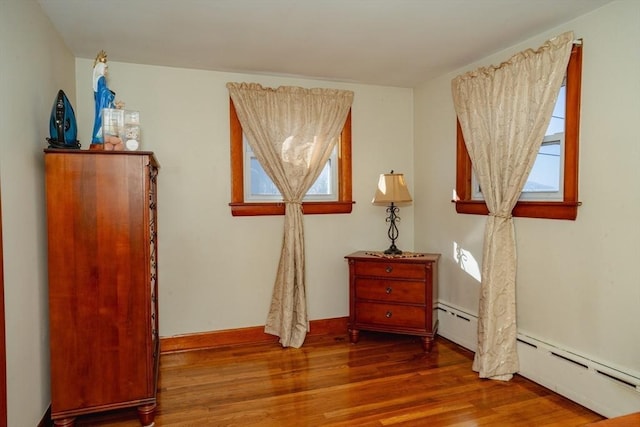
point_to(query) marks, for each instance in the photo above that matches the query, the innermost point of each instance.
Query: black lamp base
(393, 250)
(392, 210)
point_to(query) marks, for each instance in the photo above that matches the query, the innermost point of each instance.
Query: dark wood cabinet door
(102, 279)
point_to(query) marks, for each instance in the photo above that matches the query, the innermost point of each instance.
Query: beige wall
(578, 282)
(34, 65)
(217, 271)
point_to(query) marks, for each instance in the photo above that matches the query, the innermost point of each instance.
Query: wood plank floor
(384, 380)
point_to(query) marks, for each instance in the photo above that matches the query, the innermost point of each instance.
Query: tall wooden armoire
(103, 306)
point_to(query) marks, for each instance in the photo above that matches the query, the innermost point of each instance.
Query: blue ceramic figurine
(103, 96)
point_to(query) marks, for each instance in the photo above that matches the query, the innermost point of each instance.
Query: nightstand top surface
(405, 256)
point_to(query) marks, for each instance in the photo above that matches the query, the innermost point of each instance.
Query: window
(546, 194)
(330, 194)
(258, 187)
(545, 179)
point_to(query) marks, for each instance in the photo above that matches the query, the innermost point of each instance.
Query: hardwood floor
(382, 380)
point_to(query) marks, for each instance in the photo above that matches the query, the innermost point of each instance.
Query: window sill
(548, 210)
(308, 208)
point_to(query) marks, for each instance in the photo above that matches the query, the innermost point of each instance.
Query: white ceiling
(386, 42)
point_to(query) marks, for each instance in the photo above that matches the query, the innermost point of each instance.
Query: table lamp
(391, 190)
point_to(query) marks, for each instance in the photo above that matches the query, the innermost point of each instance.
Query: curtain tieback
(295, 202)
(507, 216)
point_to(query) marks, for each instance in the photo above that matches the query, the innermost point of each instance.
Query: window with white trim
(545, 181)
(561, 204)
(258, 187)
(338, 179)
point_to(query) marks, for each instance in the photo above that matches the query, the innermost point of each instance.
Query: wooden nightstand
(393, 294)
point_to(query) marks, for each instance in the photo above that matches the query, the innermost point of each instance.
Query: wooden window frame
(564, 209)
(239, 207)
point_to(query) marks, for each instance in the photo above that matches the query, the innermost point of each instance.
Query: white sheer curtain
(292, 132)
(504, 112)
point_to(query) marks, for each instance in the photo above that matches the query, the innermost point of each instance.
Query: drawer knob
(389, 290)
(389, 269)
(388, 314)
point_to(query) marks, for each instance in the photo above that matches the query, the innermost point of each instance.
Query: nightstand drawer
(372, 313)
(390, 290)
(391, 269)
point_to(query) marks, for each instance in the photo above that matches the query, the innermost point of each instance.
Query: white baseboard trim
(608, 391)
(458, 326)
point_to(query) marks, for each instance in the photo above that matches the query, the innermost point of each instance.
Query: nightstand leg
(354, 335)
(427, 344)
(146, 414)
(65, 422)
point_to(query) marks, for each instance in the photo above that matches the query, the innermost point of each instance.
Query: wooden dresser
(393, 294)
(103, 307)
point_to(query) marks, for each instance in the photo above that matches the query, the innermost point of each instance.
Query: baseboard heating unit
(596, 385)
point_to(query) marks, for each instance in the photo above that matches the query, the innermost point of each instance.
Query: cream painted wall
(217, 271)
(578, 283)
(34, 65)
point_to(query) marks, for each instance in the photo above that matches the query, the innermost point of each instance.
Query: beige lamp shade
(391, 189)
